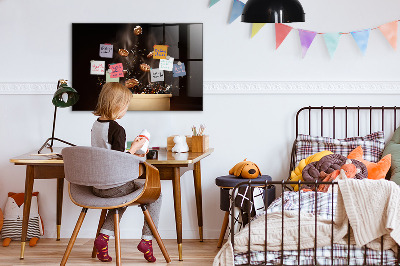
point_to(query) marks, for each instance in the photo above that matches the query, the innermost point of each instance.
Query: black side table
(226, 183)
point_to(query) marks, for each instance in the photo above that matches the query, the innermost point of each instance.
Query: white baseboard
(135, 233)
(246, 87)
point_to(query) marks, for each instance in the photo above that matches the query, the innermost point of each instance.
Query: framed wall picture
(162, 64)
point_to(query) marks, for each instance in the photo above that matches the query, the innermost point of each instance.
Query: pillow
(393, 148)
(296, 174)
(372, 144)
(375, 170)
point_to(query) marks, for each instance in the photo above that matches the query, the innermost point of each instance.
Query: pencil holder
(200, 143)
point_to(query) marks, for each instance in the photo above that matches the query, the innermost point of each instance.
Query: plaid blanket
(323, 205)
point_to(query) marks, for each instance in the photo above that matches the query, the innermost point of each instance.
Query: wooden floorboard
(50, 252)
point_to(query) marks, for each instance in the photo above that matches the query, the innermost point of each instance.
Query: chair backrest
(91, 166)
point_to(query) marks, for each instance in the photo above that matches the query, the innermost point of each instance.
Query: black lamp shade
(273, 11)
(71, 98)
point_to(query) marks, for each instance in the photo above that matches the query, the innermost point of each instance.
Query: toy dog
(245, 169)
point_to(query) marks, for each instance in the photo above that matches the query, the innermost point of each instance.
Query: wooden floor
(50, 252)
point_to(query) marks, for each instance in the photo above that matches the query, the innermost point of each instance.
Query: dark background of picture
(185, 41)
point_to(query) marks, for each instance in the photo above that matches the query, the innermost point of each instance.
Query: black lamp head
(64, 96)
(273, 11)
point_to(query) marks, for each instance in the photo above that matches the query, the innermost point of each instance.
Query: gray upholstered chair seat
(83, 195)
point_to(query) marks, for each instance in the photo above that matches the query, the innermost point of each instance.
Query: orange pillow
(375, 170)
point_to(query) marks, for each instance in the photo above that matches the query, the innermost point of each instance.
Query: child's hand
(137, 144)
(143, 155)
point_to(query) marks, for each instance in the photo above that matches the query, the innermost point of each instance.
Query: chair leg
(73, 237)
(154, 230)
(117, 239)
(101, 222)
(223, 229)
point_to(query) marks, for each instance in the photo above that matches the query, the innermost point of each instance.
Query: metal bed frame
(283, 184)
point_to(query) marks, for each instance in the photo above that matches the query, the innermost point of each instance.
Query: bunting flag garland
(389, 30)
(213, 2)
(237, 9)
(361, 37)
(281, 31)
(332, 41)
(256, 27)
(306, 39)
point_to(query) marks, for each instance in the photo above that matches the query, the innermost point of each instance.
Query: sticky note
(160, 51)
(110, 79)
(117, 70)
(179, 70)
(156, 75)
(106, 50)
(166, 64)
(97, 67)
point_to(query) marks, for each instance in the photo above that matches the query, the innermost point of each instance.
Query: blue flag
(361, 38)
(237, 9)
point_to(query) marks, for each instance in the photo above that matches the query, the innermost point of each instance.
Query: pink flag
(306, 39)
(281, 31)
(389, 30)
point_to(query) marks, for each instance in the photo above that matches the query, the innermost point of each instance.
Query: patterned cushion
(372, 144)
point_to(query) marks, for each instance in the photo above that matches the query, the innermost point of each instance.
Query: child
(112, 104)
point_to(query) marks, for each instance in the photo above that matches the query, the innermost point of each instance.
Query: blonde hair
(113, 98)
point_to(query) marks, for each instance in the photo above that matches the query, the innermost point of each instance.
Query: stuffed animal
(13, 215)
(245, 169)
(180, 144)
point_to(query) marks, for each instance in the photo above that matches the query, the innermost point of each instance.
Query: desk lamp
(273, 11)
(63, 97)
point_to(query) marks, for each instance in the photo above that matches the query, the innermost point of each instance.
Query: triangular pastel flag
(281, 31)
(237, 9)
(361, 37)
(306, 39)
(256, 27)
(332, 41)
(213, 2)
(389, 30)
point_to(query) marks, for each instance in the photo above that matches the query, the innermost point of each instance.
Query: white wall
(35, 39)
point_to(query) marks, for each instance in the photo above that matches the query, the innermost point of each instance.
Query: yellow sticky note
(160, 51)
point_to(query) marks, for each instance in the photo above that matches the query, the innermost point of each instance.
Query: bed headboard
(344, 121)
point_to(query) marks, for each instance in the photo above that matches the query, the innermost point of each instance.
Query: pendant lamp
(63, 97)
(273, 11)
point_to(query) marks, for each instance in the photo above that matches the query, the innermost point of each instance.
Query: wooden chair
(85, 167)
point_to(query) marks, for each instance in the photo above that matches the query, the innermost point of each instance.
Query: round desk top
(230, 181)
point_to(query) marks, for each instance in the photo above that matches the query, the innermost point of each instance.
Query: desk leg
(199, 205)
(60, 190)
(27, 206)
(176, 182)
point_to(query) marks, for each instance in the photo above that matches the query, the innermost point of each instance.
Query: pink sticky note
(117, 71)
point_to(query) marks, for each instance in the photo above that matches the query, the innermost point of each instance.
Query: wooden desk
(169, 164)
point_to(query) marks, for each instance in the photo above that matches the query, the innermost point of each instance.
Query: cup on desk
(152, 155)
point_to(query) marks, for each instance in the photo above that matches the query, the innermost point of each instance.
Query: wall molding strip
(246, 87)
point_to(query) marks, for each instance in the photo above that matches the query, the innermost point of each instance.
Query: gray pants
(154, 208)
